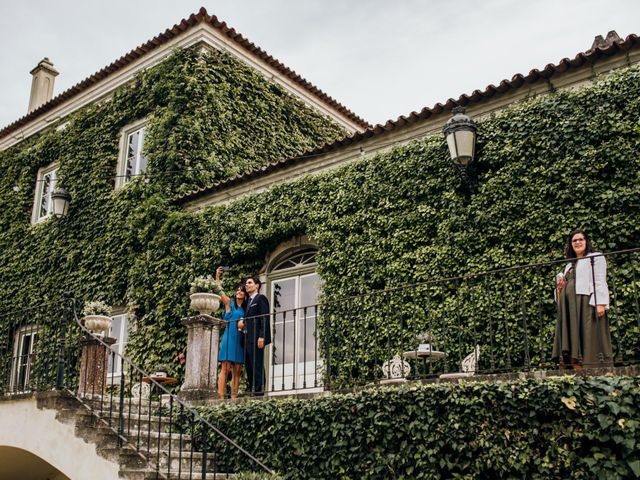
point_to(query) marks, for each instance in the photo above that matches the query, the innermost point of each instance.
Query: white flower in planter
(205, 295)
(205, 285)
(97, 317)
(96, 308)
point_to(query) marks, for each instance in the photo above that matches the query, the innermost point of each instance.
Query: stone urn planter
(205, 303)
(97, 324)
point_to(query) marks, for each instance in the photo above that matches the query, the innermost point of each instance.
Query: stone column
(201, 367)
(94, 365)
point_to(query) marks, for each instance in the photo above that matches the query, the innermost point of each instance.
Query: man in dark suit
(257, 329)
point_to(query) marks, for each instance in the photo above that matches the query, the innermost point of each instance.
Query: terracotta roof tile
(164, 37)
(517, 81)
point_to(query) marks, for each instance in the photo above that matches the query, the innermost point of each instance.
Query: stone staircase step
(140, 474)
(147, 441)
(198, 476)
(131, 422)
(126, 456)
(147, 446)
(183, 461)
(107, 403)
(144, 474)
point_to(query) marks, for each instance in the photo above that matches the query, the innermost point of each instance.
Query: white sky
(380, 58)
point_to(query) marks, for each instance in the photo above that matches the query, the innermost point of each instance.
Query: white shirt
(585, 278)
(250, 302)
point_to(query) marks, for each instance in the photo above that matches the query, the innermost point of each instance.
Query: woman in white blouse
(583, 338)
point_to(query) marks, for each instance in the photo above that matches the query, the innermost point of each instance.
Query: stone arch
(31, 430)
(287, 249)
(22, 464)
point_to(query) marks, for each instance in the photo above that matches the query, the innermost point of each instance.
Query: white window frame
(51, 169)
(17, 363)
(125, 134)
(119, 346)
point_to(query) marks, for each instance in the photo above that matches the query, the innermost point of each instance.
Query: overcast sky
(380, 58)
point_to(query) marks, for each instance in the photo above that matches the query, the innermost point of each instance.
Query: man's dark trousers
(257, 326)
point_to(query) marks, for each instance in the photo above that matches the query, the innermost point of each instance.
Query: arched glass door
(295, 288)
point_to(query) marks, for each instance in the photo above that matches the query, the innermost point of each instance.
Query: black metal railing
(504, 318)
(40, 351)
(38, 348)
(149, 418)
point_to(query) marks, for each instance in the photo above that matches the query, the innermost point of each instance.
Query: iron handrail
(453, 279)
(523, 313)
(194, 413)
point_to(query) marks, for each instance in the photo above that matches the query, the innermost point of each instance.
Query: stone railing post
(201, 367)
(94, 365)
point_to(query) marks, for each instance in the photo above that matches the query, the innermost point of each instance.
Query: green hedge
(569, 427)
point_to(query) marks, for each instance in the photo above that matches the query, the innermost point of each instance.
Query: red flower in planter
(180, 358)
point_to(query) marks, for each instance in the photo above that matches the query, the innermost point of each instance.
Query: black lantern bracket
(460, 133)
(60, 200)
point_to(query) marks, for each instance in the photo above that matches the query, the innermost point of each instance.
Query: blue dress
(230, 348)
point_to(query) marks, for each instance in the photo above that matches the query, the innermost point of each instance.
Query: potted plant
(162, 370)
(205, 295)
(97, 317)
(179, 368)
(425, 342)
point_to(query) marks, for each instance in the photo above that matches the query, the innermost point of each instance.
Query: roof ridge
(163, 37)
(517, 81)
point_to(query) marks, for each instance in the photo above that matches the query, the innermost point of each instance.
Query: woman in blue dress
(231, 356)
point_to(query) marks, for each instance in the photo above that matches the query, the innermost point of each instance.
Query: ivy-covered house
(199, 149)
(197, 104)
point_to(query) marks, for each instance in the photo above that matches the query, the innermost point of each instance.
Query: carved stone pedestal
(94, 365)
(201, 367)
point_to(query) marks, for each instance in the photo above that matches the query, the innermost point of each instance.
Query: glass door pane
(25, 353)
(309, 290)
(142, 160)
(283, 301)
(118, 331)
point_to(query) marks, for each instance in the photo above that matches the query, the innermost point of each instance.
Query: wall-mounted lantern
(460, 132)
(60, 199)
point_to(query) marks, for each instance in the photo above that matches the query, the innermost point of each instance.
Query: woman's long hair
(243, 305)
(570, 252)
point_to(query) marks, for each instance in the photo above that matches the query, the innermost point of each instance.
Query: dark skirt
(580, 337)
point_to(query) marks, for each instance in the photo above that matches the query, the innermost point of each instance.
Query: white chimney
(42, 83)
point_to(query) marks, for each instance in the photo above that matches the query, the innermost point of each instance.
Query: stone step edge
(174, 474)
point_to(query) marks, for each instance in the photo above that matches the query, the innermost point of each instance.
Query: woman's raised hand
(219, 271)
